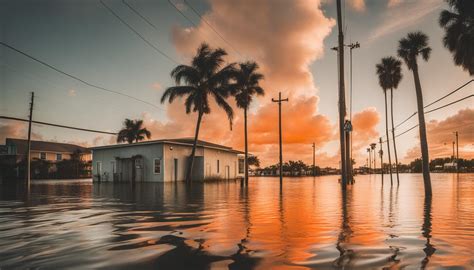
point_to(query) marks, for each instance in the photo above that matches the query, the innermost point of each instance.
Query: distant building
(45, 156)
(165, 161)
(450, 166)
(49, 151)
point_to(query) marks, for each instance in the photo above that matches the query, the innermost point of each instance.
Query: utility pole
(454, 156)
(381, 158)
(349, 139)
(279, 100)
(314, 150)
(372, 146)
(457, 152)
(370, 159)
(342, 97)
(28, 166)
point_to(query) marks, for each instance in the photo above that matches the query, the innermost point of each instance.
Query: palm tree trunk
(393, 137)
(193, 152)
(388, 139)
(422, 126)
(246, 149)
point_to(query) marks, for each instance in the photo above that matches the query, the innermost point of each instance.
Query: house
(45, 157)
(165, 161)
(41, 150)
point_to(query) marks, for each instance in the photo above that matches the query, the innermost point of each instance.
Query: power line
(141, 16)
(210, 26)
(439, 99)
(184, 15)
(138, 34)
(450, 93)
(435, 109)
(57, 125)
(451, 103)
(76, 78)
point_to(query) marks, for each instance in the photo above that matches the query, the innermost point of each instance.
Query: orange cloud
(364, 132)
(440, 136)
(284, 38)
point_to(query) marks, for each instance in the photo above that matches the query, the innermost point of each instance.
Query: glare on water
(221, 225)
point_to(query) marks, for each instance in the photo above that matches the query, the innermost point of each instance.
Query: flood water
(307, 224)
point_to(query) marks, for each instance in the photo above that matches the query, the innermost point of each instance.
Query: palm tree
(133, 131)
(245, 87)
(390, 75)
(202, 79)
(254, 161)
(416, 43)
(458, 22)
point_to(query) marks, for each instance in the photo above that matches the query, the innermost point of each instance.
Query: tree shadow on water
(426, 232)
(185, 256)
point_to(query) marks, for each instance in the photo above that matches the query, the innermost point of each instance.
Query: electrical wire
(439, 99)
(57, 125)
(433, 110)
(140, 15)
(77, 78)
(137, 33)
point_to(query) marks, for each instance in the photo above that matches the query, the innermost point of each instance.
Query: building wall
(205, 163)
(50, 156)
(148, 152)
(181, 153)
(226, 160)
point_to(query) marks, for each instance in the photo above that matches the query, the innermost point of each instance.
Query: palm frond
(185, 73)
(176, 91)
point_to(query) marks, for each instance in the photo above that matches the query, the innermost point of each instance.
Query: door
(227, 172)
(175, 169)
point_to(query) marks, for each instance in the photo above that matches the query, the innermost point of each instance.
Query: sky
(290, 40)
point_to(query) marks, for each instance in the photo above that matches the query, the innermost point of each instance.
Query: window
(59, 157)
(217, 166)
(42, 155)
(241, 166)
(157, 166)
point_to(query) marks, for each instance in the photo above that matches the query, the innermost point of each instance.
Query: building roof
(21, 146)
(179, 141)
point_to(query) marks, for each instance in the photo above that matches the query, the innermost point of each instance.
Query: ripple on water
(222, 225)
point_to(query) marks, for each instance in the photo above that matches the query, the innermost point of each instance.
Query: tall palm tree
(133, 131)
(409, 48)
(204, 78)
(390, 75)
(458, 22)
(385, 73)
(245, 87)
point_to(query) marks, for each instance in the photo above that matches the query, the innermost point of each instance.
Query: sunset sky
(291, 41)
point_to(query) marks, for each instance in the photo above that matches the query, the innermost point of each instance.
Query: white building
(165, 161)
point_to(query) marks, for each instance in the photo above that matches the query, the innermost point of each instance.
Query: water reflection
(346, 231)
(426, 229)
(308, 223)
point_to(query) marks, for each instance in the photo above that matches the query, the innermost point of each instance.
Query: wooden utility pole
(370, 160)
(454, 156)
(381, 158)
(373, 146)
(279, 101)
(342, 97)
(314, 151)
(28, 154)
(457, 152)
